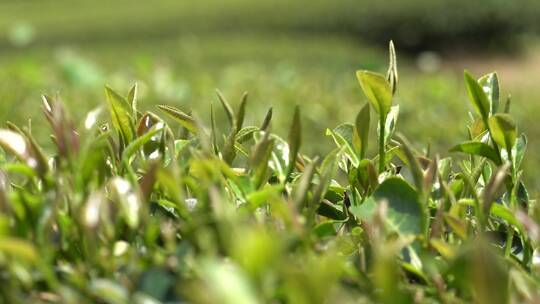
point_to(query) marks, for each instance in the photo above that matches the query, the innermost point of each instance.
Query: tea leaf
(392, 74)
(361, 129)
(518, 151)
(478, 97)
(490, 85)
(504, 130)
(227, 107)
(184, 119)
(377, 90)
(479, 149)
(120, 111)
(404, 213)
(294, 141)
(132, 99)
(343, 137)
(138, 143)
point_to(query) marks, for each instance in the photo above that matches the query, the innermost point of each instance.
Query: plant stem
(381, 144)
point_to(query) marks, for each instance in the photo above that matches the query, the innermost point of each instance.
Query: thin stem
(381, 144)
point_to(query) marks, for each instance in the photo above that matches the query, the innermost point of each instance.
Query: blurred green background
(282, 52)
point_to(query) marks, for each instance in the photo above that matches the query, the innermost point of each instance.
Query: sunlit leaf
(478, 97)
(503, 130)
(490, 85)
(377, 90)
(121, 114)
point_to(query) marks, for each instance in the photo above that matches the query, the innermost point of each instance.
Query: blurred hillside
(413, 24)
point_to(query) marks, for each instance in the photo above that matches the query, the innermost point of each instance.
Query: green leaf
(490, 85)
(138, 143)
(390, 123)
(184, 119)
(227, 107)
(294, 140)
(19, 249)
(518, 151)
(477, 95)
(361, 131)
(240, 115)
(327, 171)
(120, 111)
(330, 211)
(267, 120)
(257, 198)
(259, 161)
(343, 137)
(246, 134)
(132, 99)
(325, 230)
(404, 214)
(229, 150)
(479, 149)
(377, 90)
(301, 189)
(414, 164)
(503, 130)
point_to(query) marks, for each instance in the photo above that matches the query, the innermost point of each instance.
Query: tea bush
(133, 206)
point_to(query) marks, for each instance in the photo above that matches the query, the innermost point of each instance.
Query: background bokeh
(282, 52)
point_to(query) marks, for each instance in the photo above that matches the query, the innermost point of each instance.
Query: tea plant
(134, 207)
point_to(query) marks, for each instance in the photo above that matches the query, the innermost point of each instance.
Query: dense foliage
(134, 207)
